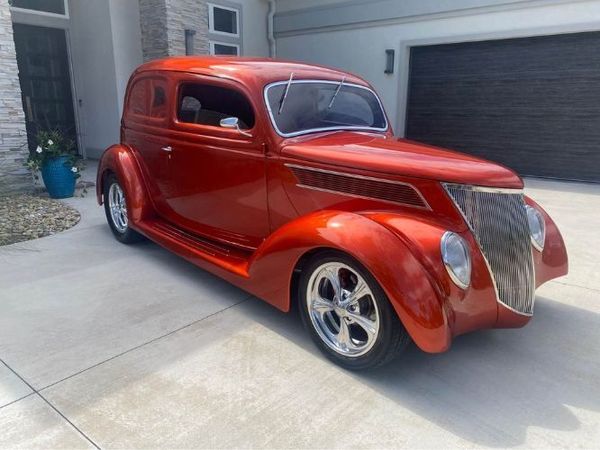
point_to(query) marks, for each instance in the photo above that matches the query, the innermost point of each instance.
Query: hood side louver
(358, 186)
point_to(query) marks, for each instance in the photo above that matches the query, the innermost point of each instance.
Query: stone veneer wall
(163, 24)
(14, 176)
(153, 24)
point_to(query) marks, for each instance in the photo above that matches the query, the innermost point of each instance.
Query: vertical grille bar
(498, 221)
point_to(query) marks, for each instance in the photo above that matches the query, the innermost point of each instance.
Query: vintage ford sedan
(286, 180)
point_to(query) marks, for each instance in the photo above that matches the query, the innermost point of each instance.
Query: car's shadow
(491, 388)
(493, 385)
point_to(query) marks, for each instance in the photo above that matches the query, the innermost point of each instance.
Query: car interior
(206, 104)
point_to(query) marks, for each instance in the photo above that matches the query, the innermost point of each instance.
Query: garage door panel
(548, 93)
(532, 104)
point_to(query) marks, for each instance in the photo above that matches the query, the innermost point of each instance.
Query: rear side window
(158, 104)
(148, 98)
(138, 98)
(205, 104)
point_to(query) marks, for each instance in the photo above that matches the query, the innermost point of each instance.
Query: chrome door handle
(167, 149)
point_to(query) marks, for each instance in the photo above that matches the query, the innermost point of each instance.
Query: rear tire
(115, 208)
(347, 313)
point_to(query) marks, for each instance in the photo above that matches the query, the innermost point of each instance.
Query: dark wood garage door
(532, 104)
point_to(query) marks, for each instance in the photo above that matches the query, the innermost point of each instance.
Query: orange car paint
(230, 204)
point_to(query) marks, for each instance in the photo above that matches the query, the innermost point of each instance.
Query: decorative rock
(26, 217)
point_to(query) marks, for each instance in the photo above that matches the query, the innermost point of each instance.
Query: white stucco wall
(290, 5)
(94, 70)
(254, 27)
(361, 49)
(105, 48)
(127, 43)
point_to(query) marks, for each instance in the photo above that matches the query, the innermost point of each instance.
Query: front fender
(120, 160)
(405, 280)
(553, 261)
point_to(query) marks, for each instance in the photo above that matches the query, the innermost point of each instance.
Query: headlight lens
(537, 227)
(457, 259)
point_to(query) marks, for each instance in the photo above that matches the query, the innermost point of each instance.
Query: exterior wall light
(389, 60)
(189, 41)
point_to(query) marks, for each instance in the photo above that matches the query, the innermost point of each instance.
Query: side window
(148, 98)
(205, 104)
(158, 108)
(138, 98)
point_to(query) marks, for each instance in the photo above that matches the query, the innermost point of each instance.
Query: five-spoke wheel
(347, 312)
(118, 207)
(115, 207)
(342, 309)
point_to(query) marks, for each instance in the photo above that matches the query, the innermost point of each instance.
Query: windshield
(315, 105)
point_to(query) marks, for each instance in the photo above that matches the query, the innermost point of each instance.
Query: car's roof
(258, 70)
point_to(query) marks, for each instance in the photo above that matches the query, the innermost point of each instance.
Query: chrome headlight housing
(457, 258)
(537, 227)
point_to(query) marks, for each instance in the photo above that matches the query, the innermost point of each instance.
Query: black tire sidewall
(390, 329)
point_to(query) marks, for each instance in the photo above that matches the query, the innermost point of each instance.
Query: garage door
(532, 104)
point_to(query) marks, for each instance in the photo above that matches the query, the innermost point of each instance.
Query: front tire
(115, 208)
(347, 313)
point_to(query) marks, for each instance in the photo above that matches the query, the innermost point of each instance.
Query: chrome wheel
(342, 309)
(118, 207)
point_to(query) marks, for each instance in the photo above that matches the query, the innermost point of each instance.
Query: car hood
(389, 155)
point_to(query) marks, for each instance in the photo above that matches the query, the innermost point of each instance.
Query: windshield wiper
(336, 93)
(285, 93)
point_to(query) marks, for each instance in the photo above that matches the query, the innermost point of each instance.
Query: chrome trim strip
(485, 259)
(361, 177)
(316, 130)
(494, 190)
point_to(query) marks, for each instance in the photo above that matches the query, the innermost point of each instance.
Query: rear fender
(403, 278)
(120, 160)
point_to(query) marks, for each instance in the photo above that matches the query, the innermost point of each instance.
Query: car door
(218, 184)
(145, 129)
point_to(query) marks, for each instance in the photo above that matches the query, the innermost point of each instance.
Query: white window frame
(211, 20)
(44, 13)
(228, 44)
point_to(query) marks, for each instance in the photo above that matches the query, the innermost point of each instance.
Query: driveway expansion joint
(129, 350)
(18, 399)
(36, 392)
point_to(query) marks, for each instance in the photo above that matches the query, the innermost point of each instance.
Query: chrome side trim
(317, 130)
(361, 177)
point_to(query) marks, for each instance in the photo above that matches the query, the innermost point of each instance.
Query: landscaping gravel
(24, 217)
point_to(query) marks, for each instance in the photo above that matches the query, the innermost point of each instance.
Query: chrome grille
(498, 221)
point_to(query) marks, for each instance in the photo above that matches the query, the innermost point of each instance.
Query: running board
(194, 248)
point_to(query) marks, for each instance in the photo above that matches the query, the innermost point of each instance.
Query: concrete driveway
(113, 346)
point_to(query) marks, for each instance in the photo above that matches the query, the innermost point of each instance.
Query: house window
(222, 48)
(223, 20)
(58, 7)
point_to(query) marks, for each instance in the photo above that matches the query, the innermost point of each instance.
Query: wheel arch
(388, 259)
(120, 160)
(300, 264)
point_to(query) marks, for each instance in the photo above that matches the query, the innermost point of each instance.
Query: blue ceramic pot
(58, 178)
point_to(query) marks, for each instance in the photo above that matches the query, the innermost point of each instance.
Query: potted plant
(55, 157)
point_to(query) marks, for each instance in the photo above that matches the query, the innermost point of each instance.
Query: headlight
(537, 227)
(456, 257)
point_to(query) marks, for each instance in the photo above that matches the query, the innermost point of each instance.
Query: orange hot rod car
(285, 179)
